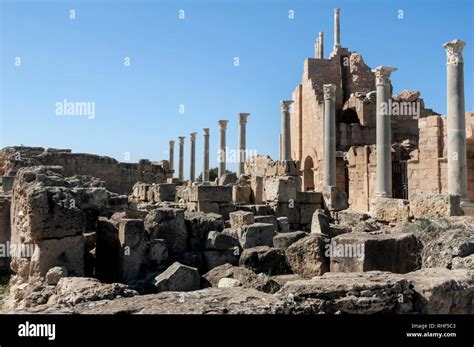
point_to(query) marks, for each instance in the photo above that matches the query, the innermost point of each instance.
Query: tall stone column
(172, 155)
(316, 48)
(321, 45)
(384, 132)
(242, 118)
(285, 129)
(337, 34)
(222, 148)
(205, 165)
(457, 161)
(192, 165)
(181, 158)
(329, 134)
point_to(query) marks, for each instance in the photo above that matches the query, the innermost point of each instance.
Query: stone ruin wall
(427, 168)
(119, 177)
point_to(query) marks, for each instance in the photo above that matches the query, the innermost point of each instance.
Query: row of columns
(456, 121)
(242, 121)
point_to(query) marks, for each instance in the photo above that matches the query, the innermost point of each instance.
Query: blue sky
(190, 62)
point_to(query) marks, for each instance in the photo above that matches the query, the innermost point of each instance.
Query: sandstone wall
(427, 168)
(119, 177)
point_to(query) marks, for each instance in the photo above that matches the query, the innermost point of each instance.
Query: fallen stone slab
(221, 241)
(264, 259)
(357, 252)
(443, 291)
(352, 293)
(284, 240)
(178, 277)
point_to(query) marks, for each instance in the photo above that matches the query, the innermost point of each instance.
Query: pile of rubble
(253, 244)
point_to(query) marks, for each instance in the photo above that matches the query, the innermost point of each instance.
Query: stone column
(384, 132)
(337, 35)
(205, 165)
(285, 129)
(329, 134)
(172, 155)
(457, 161)
(321, 45)
(242, 117)
(181, 158)
(192, 165)
(222, 148)
(316, 48)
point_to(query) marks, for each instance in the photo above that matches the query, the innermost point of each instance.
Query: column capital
(242, 116)
(222, 123)
(172, 143)
(206, 131)
(321, 34)
(382, 75)
(454, 51)
(192, 136)
(181, 140)
(329, 91)
(337, 10)
(285, 105)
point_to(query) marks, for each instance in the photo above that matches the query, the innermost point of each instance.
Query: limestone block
(320, 223)
(284, 240)
(289, 210)
(334, 198)
(217, 258)
(55, 274)
(352, 218)
(256, 184)
(132, 238)
(309, 197)
(424, 205)
(306, 256)
(257, 234)
(392, 210)
(164, 192)
(357, 252)
(270, 219)
(241, 194)
(306, 213)
(280, 190)
(214, 193)
(264, 259)
(67, 252)
(228, 178)
(219, 241)
(283, 225)
(157, 252)
(168, 224)
(228, 283)
(225, 209)
(178, 277)
(240, 218)
(198, 226)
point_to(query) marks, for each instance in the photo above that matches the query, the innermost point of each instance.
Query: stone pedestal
(242, 118)
(384, 132)
(457, 161)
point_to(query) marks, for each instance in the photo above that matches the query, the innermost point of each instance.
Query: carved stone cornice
(285, 105)
(243, 117)
(329, 91)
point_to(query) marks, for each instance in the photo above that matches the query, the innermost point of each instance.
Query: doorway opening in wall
(308, 174)
(400, 179)
(349, 116)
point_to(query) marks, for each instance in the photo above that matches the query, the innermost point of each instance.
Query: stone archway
(308, 174)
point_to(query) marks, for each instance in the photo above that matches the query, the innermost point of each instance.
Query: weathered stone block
(280, 190)
(392, 210)
(168, 224)
(199, 225)
(219, 241)
(334, 198)
(216, 258)
(264, 259)
(240, 218)
(214, 193)
(283, 224)
(284, 240)
(163, 192)
(309, 197)
(270, 219)
(357, 252)
(241, 194)
(426, 205)
(256, 184)
(320, 223)
(257, 234)
(178, 277)
(306, 256)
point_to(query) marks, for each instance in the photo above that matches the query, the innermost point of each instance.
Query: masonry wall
(119, 177)
(427, 168)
